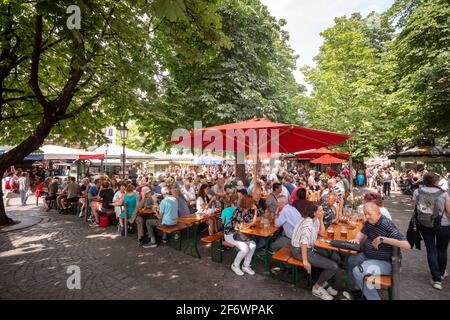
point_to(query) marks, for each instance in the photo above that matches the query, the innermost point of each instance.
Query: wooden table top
(191, 219)
(351, 234)
(261, 232)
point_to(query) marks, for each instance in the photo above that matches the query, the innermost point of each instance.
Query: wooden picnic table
(193, 221)
(267, 233)
(351, 234)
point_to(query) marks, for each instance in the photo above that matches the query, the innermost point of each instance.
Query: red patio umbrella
(327, 159)
(312, 154)
(261, 134)
(258, 136)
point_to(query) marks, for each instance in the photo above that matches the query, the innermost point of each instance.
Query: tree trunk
(32, 143)
(240, 168)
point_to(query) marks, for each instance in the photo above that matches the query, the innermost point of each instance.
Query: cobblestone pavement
(34, 261)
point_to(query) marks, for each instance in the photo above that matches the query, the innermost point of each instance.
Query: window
(110, 132)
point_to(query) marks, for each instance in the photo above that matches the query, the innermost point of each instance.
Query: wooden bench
(380, 281)
(174, 233)
(213, 238)
(296, 264)
(217, 244)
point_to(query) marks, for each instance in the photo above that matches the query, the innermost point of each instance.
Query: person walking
(433, 216)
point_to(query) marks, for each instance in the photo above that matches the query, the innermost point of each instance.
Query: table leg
(192, 243)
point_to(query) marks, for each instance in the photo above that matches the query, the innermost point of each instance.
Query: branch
(18, 99)
(84, 106)
(35, 59)
(17, 117)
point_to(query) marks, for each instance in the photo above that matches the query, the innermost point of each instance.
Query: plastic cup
(344, 233)
(330, 233)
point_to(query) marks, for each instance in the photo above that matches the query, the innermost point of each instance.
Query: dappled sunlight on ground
(32, 248)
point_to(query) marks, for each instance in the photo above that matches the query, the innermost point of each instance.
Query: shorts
(104, 210)
(51, 197)
(75, 199)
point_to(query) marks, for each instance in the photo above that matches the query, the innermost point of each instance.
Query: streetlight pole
(124, 135)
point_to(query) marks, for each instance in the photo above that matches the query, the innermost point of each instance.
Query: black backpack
(430, 208)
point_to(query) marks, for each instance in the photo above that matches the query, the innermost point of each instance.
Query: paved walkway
(34, 261)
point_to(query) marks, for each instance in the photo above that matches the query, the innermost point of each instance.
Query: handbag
(242, 237)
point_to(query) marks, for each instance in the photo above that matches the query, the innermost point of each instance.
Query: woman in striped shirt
(305, 235)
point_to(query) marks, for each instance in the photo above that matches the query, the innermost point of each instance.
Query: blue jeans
(436, 243)
(23, 197)
(360, 266)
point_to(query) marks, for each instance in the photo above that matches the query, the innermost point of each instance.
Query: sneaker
(164, 240)
(93, 225)
(437, 285)
(332, 291)
(149, 245)
(321, 293)
(248, 270)
(237, 270)
(445, 275)
(81, 215)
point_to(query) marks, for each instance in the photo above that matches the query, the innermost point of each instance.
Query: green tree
(250, 75)
(421, 52)
(68, 84)
(349, 83)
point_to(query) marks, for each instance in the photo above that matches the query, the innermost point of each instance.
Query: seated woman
(243, 217)
(305, 235)
(204, 202)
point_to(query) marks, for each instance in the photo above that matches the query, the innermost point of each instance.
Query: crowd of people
(303, 203)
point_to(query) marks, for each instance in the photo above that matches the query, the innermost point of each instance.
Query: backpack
(430, 208)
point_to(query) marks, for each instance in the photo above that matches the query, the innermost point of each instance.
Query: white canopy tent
(113, 151)
(52, 152)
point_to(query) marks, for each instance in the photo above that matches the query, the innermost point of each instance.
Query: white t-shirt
(385, 213)
(199, 204)
(443, 184)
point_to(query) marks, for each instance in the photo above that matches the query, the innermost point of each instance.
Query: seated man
(168, 217)
(52, 193)
(73, 193)
(93, 201)
(287, 218)
(146, 209)
(106, 195)
(328, 203)
(379, 235)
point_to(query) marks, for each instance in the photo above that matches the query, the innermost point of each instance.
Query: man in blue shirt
(168, 216)
(379, 235)
(287, 218)
(92, 197)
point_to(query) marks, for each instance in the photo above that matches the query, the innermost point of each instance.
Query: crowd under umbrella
(258, 136)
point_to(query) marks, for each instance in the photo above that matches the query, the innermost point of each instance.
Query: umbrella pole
(255, 168)
(350, 163)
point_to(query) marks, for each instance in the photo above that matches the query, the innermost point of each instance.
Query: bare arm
(360, 237)
(306, 263)
(403, 244)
